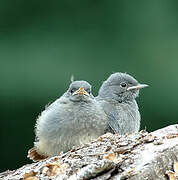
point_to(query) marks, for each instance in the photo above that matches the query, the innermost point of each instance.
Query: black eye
(88, 91)
(123, 84)
(73, 90)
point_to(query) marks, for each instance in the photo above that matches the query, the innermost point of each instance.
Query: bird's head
(79, 91)
(120, 87)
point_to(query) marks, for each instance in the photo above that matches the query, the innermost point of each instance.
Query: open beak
(81, 91)
(139, 86)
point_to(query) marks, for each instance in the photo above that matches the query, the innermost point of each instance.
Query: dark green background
(42, 43)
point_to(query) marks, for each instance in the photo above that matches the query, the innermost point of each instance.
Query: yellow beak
(81, 91)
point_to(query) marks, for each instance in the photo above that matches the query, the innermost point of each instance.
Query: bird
(73, 119)
(117, 96)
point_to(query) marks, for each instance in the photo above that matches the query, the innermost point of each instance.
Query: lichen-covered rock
(137, 156)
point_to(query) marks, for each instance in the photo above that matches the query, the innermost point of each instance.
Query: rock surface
(142, 155)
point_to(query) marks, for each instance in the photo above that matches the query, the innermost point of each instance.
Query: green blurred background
(42, 43)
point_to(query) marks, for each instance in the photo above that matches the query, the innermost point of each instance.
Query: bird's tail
(34, 155)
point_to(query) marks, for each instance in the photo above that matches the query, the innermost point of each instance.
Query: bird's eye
(73, 90)
(123, 84)
(88, 91)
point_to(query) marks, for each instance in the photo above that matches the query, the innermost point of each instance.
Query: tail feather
(34, 155)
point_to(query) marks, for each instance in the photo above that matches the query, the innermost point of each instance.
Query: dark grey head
(79, 91)
(120, 87)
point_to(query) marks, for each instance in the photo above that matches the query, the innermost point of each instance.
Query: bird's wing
(51, 120)
(112, 124)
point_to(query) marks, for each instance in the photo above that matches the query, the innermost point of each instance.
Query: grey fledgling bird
(117, 97)
(73, 119)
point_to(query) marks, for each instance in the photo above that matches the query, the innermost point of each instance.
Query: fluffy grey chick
(73, 119)
(117, 97)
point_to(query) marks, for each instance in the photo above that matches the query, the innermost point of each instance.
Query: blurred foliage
(42, 43)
